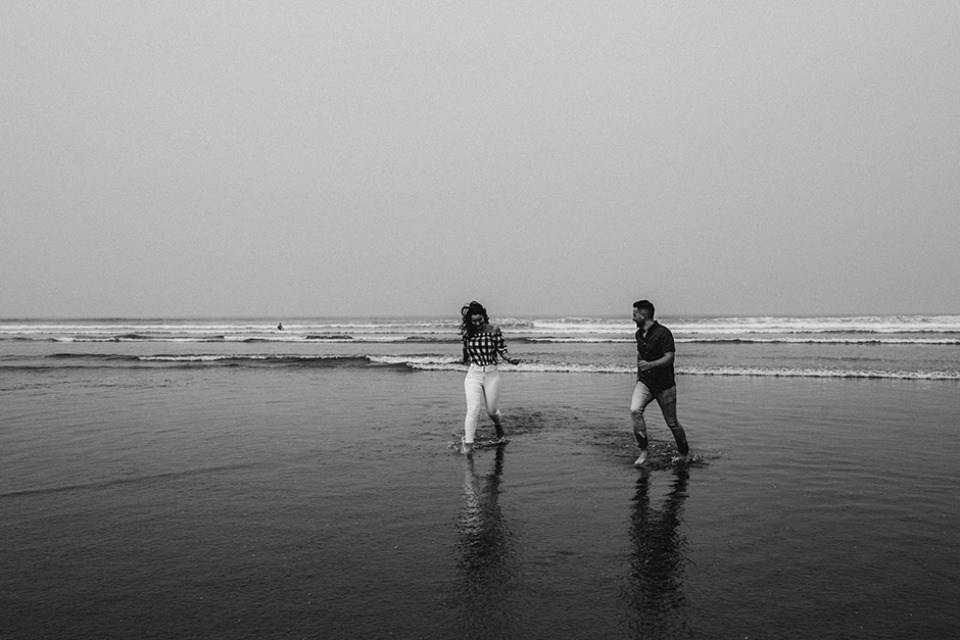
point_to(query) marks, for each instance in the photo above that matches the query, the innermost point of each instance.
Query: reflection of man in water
(483, 542)
(657, 558)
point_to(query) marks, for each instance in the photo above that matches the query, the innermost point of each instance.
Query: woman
(483, 345)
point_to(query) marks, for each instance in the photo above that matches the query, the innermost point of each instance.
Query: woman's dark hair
(469, 310)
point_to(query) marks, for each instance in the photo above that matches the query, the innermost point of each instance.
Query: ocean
(221, 478)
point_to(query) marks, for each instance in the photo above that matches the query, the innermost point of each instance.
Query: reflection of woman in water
(483, 346)
(483, 542)
(657, 557)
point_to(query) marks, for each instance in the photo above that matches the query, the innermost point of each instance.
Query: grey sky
(314, 157)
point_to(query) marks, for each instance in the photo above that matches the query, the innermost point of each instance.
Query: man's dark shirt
(658, 342)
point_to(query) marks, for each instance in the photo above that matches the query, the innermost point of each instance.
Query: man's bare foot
(466, 448)
(641, 459)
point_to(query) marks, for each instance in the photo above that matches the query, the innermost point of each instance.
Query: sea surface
(221, 478)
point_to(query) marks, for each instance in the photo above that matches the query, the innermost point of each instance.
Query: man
(655, 378)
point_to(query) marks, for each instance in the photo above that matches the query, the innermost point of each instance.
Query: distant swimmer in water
(280, 327)
(483, 346)
(655, 378)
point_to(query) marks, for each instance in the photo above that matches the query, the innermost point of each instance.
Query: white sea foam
(793, 325)
(557, 329)
(419, 362)
(584, 325)
(819, 339)
(194, 358)
(582, 340)
(775, 372)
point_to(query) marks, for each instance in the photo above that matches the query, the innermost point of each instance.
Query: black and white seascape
(248, 251)
(217, 478)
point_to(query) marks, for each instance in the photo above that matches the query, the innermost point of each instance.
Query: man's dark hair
(645, 305)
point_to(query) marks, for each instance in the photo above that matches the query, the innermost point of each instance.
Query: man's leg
(668, 405)
(641, 398)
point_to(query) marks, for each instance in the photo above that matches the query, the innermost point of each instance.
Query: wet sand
(251, 504)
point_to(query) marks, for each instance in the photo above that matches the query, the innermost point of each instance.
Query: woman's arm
(502, 348)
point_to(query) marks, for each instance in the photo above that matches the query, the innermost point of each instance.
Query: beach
(242, 243)
(213, 482)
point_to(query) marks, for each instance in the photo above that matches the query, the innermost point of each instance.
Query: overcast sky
(325, 157)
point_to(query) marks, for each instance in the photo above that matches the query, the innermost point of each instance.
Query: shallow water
(327, 502)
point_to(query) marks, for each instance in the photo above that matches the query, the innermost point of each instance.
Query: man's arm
(666, 360)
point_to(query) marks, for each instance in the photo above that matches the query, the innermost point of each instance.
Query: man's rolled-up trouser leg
(641, 398)
(668, 405)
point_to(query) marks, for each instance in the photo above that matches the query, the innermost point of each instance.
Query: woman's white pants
(482, 387)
